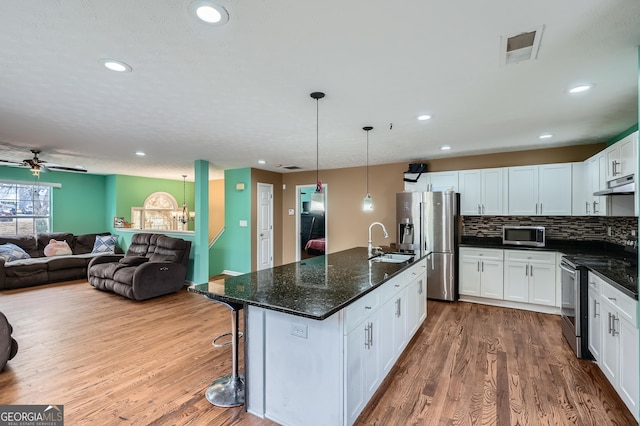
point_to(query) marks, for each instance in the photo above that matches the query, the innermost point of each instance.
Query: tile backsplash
(557, 227)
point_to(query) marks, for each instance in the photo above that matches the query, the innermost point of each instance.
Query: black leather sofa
(40, 269)
(154, 265)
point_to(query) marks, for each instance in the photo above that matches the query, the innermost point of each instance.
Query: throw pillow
(12, 252)
(57, 248)
(105, 244)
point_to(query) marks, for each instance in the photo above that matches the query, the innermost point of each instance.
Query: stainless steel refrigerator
(427, 222)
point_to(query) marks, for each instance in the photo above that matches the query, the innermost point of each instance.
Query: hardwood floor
(113, 361)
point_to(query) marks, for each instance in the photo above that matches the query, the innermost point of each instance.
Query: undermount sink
(393, 258)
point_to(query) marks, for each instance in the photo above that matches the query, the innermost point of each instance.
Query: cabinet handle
(609, 313)
(587, 207)
(420, 288)
(371, 335)
(595, 210)
(397, 308)
(478, 266)
(613, 299)
(613, 325)
(482, 268)
(479, 211)
(536, 208)
(540, 208)
(367, 307)
(595, 308)
(530, 270)
(366, 337)
(526, 270)
(483, 209)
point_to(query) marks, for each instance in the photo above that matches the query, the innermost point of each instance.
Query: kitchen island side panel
(303, 369)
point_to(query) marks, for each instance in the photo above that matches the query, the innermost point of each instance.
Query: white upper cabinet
(622, 157)
(594, 180)
(540, 190)
(434, 181)
(481, 191)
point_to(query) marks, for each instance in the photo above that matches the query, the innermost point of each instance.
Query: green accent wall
(79, 206)
(232, 251)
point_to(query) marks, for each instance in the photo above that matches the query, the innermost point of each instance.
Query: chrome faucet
(370, 245)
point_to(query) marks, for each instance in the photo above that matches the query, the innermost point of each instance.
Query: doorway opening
(311, 222)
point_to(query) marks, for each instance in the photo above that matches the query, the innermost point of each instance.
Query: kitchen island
(321, 334)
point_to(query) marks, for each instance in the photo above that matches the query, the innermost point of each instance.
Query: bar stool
(228, 391)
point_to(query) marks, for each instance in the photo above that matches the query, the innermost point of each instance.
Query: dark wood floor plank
(112, 361)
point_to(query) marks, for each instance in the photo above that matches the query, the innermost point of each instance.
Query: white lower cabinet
(595, 318)
(374, 345)
(617, 350)
(481, 272)
(530, 277)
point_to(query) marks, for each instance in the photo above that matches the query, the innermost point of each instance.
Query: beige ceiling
(239, 93)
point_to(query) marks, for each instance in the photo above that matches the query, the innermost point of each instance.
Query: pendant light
(186, 217)
(367, 203)
(317, 197)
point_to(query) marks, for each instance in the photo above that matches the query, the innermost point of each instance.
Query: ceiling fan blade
(69, 169)
(12, 162)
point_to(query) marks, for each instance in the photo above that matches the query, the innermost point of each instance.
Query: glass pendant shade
(367, 203)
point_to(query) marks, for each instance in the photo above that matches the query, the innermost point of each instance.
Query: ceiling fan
(37, 165)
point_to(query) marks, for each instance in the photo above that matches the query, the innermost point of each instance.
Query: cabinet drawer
(626, 306)
(391, 287)
(359, 310)
(595, 283)
(530, 256)
(492, 254)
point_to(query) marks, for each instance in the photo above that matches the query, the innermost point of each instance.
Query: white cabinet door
(443, 181)
(470, 192)
(542, 284)
(387, 350)
(516, 281)
(481, 192)
(629, 155)
(628, 387)
(612, 155)
(554, 195)
(610, 353)
(400, 322)
(417, 303)
(492, 279)
(595, 324)
(355, 372)
(523, 190)
(372, 357)
(469, 280)
(492, 183)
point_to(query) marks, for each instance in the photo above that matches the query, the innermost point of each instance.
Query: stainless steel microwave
(531, 236)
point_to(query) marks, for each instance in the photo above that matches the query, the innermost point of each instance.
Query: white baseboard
(509, 304)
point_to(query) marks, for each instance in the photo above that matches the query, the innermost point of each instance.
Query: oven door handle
(564, 268)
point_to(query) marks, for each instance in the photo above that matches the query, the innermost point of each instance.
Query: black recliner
(8, 345)
(154, 265)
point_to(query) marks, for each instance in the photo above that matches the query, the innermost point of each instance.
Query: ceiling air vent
(292, 167)
(520, 47)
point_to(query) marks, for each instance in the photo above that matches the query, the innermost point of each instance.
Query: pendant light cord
(367, 161)
(318, 187)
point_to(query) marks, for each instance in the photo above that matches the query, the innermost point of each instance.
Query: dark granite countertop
(314, 288)
(610, 261)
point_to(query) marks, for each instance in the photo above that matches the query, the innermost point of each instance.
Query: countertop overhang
(314, 288)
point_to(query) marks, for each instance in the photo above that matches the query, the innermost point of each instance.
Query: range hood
(621, 186)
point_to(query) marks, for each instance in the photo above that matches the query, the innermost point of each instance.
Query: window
(24, 208)
(160, 212)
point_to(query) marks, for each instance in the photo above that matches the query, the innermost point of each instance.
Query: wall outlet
(292, 212)
(244, 223)
(299, 330)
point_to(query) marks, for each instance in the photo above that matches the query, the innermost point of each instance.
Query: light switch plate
(292, 212)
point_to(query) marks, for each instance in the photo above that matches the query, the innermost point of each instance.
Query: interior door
(265, 226)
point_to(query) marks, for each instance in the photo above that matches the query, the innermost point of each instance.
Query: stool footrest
(215, 343)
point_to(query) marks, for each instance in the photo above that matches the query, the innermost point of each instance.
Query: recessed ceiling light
(424, 117)
(262, 162)
(581, 88)
(545, 136)
(114, 65)
(209, 12)
(140, 154)
(445, 147)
